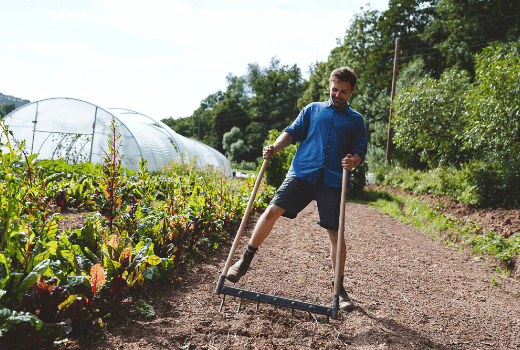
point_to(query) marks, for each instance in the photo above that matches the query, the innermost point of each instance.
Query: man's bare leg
(265, 224)
(262, 229)
(333, 236)
(344, 301)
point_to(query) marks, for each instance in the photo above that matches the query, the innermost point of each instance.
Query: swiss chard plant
(140, 225)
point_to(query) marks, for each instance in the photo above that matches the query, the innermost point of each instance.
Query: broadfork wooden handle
(244, 219)
(341, 233)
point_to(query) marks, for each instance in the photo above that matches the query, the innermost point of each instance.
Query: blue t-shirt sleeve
(298, 129)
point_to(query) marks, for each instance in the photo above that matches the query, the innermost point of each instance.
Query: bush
(358, 179)
(280, 163)
(447, 181)
(494, 126)
(244, 165)
(429, 119)
(494, 186)
(470, 130)
(496, 245)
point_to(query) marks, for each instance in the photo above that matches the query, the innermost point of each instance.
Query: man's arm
(284, 140)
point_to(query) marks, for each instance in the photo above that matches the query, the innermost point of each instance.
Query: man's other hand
(351, 161)
(268, 151)
(284, 140)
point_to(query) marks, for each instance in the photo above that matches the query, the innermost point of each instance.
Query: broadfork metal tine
(222, 303)
(292, 312)
(310, 316)
(328, 319)
(257, 306)
(239, 306)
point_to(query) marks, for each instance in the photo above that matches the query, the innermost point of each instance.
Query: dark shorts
(295, 194)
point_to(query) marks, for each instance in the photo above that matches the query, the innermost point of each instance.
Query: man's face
(340, 92)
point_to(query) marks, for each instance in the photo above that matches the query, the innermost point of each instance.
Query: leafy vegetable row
(140, 225)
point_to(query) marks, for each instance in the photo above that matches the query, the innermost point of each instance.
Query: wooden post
(396, 56)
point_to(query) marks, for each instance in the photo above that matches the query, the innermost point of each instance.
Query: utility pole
(396, 56)
(198, 134)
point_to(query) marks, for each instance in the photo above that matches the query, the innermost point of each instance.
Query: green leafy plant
(146, 223)
(110, 201)
(496, 245)
(280, 163)
(145, 309)
(468, 128)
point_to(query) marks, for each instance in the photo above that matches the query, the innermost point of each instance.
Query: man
(332, 136)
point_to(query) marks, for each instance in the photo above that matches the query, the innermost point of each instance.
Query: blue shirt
(326, 135)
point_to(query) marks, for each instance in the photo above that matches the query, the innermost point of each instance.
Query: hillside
(7, 99)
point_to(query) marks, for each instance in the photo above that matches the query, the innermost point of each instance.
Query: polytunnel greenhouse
(77, 131)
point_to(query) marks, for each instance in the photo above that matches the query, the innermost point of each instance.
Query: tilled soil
(411, 292)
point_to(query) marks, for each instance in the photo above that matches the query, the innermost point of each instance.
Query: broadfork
(275, 300)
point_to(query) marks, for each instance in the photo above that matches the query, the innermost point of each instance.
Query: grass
(442, 227)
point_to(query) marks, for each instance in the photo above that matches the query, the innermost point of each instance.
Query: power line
(243, 111)
(435, 50)
(419, 35)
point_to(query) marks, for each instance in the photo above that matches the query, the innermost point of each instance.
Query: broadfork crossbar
(275, 300)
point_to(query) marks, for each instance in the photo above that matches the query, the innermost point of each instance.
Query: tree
(255, 136)
(5, 109)
(471, 126)
(181, 126)
(429, 119)
(238, 89)
(317, 87)
(463, 28)
(227, 114)
(410, 74)
(234, 146)
(494, 103)
(263, 99)
(274, 105)
(198, 126)
(368, 48)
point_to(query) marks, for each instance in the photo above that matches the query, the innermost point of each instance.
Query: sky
(160, 58)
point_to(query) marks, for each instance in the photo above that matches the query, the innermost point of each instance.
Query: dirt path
(411, 292)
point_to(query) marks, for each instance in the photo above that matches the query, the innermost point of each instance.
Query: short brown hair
(345, 74)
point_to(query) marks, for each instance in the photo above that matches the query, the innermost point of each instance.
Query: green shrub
(494, 126)
(478, 183)
(469, 130)
(494, 186)
(428, 119)
(244, 165)
(496, 245)
(280, 163)
(358, 179)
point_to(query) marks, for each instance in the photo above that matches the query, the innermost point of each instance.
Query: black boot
(241, 266)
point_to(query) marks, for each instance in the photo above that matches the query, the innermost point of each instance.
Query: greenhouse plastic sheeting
(77, 131)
